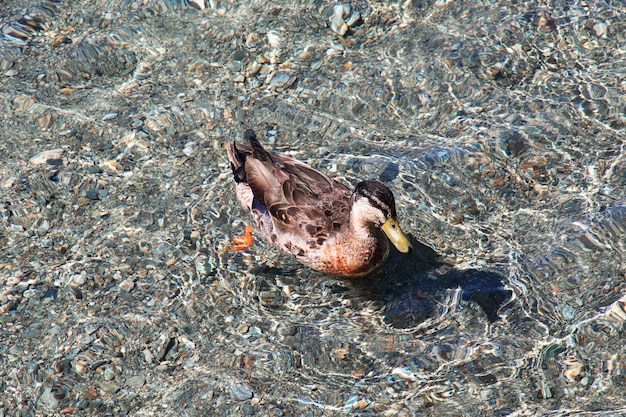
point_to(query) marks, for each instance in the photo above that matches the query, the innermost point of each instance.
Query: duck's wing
(298, 197)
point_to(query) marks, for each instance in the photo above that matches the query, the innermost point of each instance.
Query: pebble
(45, 121)
(280, 80)
(76, 280)
(49, 397)
(108, 387)
(200, 4)
(51, 157)
(404, 373)
(248, 410)
(135, 382)
(241, 392)
(587, 380)
(354, 18)
(600, 29)
(109, 374)
(190, 148)
(6, 64)
(273, 38)
(254, 67)
(351, 403)
(127, 285)
(265, 69)
(21, 104)
(337, 24)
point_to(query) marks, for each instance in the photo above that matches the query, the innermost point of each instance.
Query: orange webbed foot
(242, 242)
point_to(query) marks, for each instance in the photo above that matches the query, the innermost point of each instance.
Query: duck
(317, 220)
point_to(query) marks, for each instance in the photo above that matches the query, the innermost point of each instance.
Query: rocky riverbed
(498, 125)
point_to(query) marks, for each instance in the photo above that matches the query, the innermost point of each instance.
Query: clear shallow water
(499, 128)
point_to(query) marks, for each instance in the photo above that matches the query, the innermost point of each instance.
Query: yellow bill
(396, 235)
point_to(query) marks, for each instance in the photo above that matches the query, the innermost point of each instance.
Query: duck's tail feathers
(258, 151)
(237, 155)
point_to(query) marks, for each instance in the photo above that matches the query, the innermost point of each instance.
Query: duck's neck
(368, 245)
(361, 223)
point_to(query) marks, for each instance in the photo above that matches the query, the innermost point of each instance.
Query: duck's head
(373, 205)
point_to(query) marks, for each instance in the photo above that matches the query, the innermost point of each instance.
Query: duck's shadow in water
(409, 287)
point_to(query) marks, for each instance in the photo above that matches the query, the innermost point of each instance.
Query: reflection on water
(500, 130)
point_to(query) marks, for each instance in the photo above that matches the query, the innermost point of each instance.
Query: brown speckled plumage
(305, 213)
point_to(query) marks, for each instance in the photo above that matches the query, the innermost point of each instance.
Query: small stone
(404, 373)
(265, 69)
(600, 29)
(76, 280)
(337, 24)
(273, 38)
(60, 40)
(127, 285)
(44, 227)
(241, 392)
(80, 365)
(148, 356)
(136, 381)
(45, 121)
(354, 18)
(341, 353)
(21, 104)
(81, 403)
(200, 4)
(5, 64)
(109, 374)
(248, 410)
(51, 157)
(254, 67)
(47, 398)
(587, 380)
(239, 55)
(350, 404)
(281, 80)
(108, 387)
